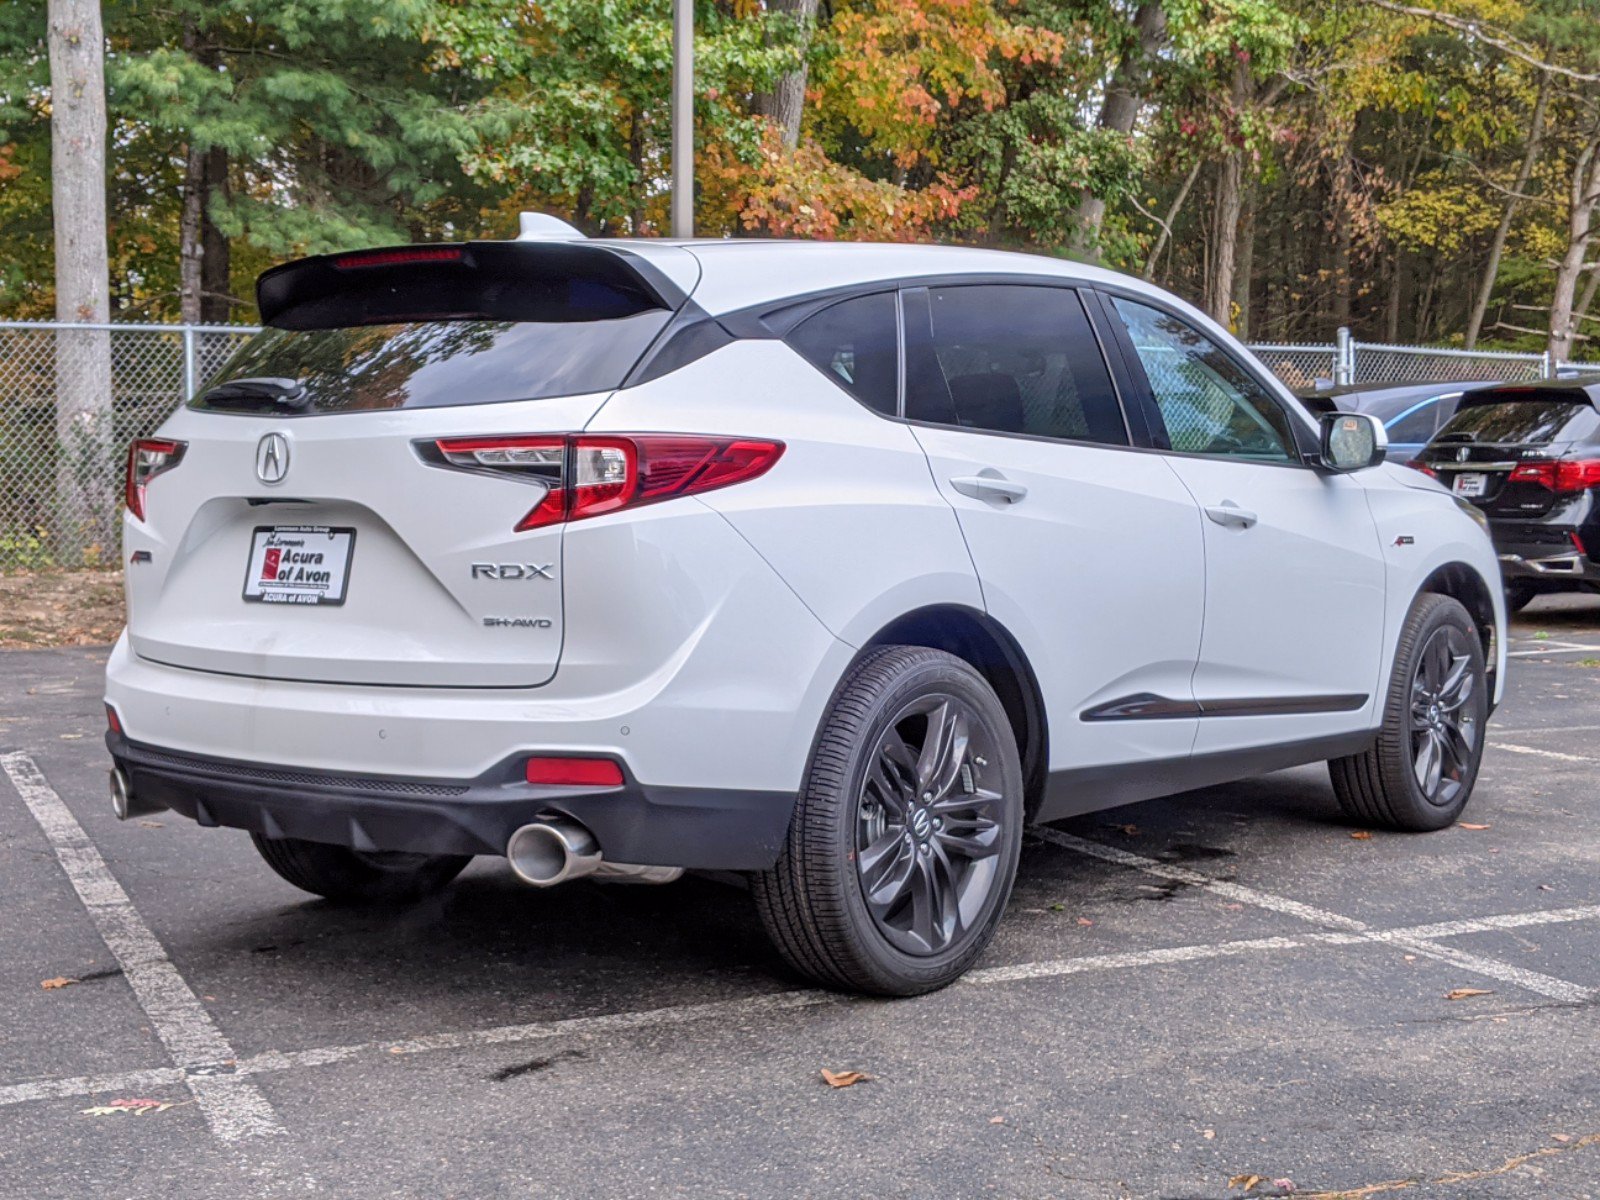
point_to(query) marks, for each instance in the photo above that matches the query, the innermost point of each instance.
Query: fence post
(1548, 366)
(1344, 357)
(189, 382)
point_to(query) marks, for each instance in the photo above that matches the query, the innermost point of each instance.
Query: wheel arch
(990, 649)
(1463, 583)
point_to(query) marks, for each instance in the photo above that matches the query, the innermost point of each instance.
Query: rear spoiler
(545, 281)
(1583, 389)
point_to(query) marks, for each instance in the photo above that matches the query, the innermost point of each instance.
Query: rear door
(357, 509)
(1295, 581)
(1089, 551)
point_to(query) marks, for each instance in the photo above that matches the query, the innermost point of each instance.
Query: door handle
(1229, 513)
(990, 486)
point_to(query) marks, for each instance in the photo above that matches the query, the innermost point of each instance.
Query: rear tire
(348, 876)
(904, 841)
(1420, 773)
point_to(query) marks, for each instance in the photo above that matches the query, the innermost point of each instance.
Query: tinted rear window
(428, 364)
(1529, 421)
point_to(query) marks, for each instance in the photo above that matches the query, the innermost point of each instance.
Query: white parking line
(746, 1008)
(233, 1106)
(1555, 754)
(1533, 981)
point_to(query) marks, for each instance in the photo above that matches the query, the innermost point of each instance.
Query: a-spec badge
(272, 458)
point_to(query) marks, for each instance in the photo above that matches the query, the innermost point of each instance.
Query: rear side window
(1009, 359)
(1416, 425)
(856, 343)
(1534, 419)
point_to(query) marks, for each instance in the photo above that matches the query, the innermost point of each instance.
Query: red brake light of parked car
(588, 475)
(1562, 475)
(403, 256)
(147, 458)
(574, 772)
(1416, 464)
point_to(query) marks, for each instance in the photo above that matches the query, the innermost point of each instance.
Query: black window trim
(1305, 447)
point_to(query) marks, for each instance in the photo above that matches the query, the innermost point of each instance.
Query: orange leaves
(804, 193)
(844, 1079)
(894, 68)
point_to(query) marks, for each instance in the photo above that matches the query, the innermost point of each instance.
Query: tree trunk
(1172, 215)
(1120, 109)
(785, 104)
(1342, 240)
(216, 287)
(190, 287)
(1491, 268)
(1225, 241)
(1243, 277)
(1391, 315)
(1585, 195)
(85, 493)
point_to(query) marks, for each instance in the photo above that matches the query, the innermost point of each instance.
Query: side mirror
(1352, 441)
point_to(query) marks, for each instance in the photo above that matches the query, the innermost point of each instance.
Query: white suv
(832, 564)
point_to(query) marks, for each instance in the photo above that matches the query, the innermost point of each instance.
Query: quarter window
(856, 343)
(1009, 359)
(1209, 403)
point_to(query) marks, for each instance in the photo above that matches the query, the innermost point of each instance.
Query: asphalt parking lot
(1228, 993)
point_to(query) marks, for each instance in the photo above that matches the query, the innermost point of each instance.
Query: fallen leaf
(1561, 1137)
(1058, 908)
(1360, 835)
(1234, 907)
(1545, 887)
(1467, 825)
(1284, 1185)
(1411, 958)
(1085, 922)
(60, 981)
(133, 1108)
(1464, 993)
(1002, 1121)
(150, 824)
(1246, 1182)
(843, 1079)
(1209, 1134)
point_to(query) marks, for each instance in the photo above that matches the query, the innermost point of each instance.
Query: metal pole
(1344, 357)
(683, 118)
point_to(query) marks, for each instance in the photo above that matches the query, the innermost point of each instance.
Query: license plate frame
(315, 582)
(1471, 485)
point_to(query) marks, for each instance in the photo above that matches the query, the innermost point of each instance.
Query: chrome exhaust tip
(545, 853)
(123, 801)
(558, 849)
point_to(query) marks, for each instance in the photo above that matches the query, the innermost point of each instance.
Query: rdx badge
(512, 570)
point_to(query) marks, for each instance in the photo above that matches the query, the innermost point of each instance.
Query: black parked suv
(1528, 455)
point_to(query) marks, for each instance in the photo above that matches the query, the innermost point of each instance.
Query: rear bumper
(709, 829)
(1552, 560)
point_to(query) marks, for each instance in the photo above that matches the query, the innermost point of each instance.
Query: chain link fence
(61, 446)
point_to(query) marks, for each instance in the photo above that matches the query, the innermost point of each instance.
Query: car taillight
(1561, 475)
(591, 474)
(1416, 464)
(147, 458)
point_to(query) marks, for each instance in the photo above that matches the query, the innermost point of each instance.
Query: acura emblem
(1463, 454)
(272, 458)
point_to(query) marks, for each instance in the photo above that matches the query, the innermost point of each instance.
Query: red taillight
(1416, 464)
(591, 474)
(113, 722)
(147, 458)
(574, 772)
(1561, 475)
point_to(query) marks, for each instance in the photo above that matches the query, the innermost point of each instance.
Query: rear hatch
(345, 504)
(1502, 447)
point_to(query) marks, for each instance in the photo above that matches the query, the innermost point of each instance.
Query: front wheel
(1420, 773)
(349, 876)
(904, 841)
